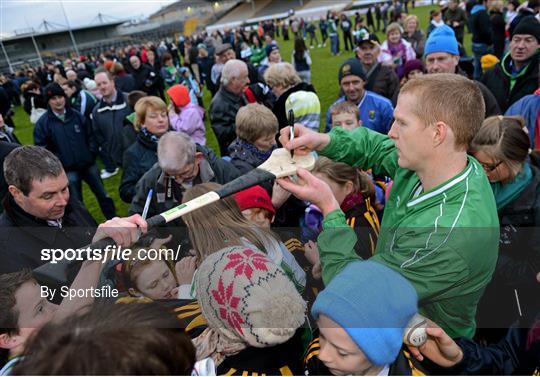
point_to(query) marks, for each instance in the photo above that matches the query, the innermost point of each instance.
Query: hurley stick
(280, 164)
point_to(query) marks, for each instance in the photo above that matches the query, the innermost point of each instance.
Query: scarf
(506, 193)
(351, 201)
(148, 135)
(398, 51)
(260, 155)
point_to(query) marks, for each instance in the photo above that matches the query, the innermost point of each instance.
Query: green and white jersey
(444, 241)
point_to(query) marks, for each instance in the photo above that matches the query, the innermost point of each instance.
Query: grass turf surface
(324, 77)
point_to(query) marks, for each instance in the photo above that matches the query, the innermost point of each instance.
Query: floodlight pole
(69, 29)
(7, 57)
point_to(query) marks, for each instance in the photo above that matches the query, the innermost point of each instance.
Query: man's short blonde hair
(282, 74)
(255, 121)
(142, 106)
(449, 98)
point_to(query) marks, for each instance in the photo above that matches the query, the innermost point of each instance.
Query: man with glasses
(442, 56)
(181, 165)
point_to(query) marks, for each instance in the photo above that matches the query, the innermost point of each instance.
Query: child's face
(339, 352)
(340, 191)
(265, 143)
(156, 281)
(258, 217)
(394, 36)
(34, 312)
(346, 120)
(415, 73)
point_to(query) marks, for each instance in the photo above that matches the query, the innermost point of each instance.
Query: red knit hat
(254, 197)
(179, 94)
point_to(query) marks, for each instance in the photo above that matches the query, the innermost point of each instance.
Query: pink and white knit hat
(246, 297)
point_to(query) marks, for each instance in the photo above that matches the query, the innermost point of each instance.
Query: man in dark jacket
(480, 26)
(40, 214)
(442, 56)
(227, 101)
(108, 122)
(65, 132)
(516, 75)
(181, 164)
(456, 18)
(146, 79)
(381, 79)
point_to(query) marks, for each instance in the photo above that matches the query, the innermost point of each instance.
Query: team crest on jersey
(371, 114)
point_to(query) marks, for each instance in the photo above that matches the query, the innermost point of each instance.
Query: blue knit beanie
(373, 304)
(442, 39)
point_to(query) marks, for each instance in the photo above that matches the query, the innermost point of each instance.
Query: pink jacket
(190, 121)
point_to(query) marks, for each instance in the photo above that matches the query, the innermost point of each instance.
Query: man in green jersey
(440, 228)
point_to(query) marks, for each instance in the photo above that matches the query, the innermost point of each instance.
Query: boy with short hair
(345, 115)
(362, 315)
(24, 309)
(256, 129)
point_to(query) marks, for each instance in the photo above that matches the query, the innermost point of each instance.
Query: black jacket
(70, 140)
(498, 28)
(490, 102)
(146, 79)
(518, 262)
(279, 106)
(124, 83)
(480, 25)
(222, 111)
(507, 89)
(138, 159)
(108, 123)
(243, 158)
(383, 80)
(23, 236)
(39, 102)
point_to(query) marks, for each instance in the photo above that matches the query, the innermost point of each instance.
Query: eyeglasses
(186, 174)
(488, 168)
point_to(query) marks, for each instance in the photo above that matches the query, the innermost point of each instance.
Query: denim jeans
(479, 50)
(334, 44)
(91, 176)
(108, 161)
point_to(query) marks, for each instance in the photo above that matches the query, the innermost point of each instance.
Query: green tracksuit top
(444, 241)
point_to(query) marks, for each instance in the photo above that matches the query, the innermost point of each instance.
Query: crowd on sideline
(411, 248)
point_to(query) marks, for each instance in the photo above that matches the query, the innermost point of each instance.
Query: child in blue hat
(362, 315)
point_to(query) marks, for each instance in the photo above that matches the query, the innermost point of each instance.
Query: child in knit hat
(185, 115)
(254, 314)
(362, 315)
(256, 206)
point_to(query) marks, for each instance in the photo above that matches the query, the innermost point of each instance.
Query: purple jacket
(190, 121)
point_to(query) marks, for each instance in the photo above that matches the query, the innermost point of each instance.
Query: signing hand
(305, 140)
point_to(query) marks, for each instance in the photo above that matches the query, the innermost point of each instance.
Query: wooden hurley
(280, 164)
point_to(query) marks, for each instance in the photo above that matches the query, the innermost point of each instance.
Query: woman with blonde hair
(221, 224)
(414, 35)
(502, 148)
(283, 79)
(151, 122)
